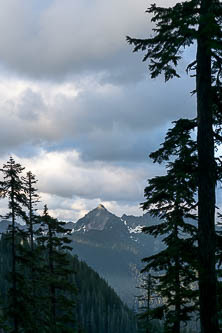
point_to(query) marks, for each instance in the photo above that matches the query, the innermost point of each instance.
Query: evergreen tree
(44, 272)
(94, 296)
(145, 322)
(219, 265)
(12, 188)
(176, 28)
(32, 200)
(172, 198)
(31, 257)
(58, 274)
(25, 258)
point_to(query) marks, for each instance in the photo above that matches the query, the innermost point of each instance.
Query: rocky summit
(114, 247)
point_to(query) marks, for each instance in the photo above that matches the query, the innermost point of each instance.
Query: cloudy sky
(77, 107)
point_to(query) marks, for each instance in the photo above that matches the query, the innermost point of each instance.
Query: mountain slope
(114, 247)
(98, 308)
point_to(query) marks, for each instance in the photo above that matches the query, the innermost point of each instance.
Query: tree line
(41, 289)
(98, 309)
(44, 288)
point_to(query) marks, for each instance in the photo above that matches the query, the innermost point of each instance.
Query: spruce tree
(58, 274)
(172, 198)
(144, 300)
(176, 28)
(32, 200)
(219, 265)
(12, 188)
(31, 257)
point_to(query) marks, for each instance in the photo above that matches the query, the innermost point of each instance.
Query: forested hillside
(98, 309)
(43, 287)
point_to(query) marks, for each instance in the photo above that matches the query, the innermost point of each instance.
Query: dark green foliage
(172, 198)
(219, 267)
(36, 267)
(97, 305)
(99, 308)
(31, 257)
(32, 198)
(57, 274)
(176, 28)
(146, 323)
(12, 188)
(38, 276)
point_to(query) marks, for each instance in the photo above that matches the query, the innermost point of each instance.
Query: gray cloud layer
(70, 84)
(104, 121)
(70, 36)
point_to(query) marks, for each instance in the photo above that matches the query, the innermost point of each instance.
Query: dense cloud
(65, 181)
(70, 36)
(78, 107)
(65, 174)
(104, 121)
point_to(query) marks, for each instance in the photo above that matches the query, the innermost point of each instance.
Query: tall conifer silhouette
(172, 198)
(178, 27)
(12, 188)
(58, 275)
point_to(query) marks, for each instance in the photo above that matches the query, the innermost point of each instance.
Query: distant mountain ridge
(100, 219)
(114, 247)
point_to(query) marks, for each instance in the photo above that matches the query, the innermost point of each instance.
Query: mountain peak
(101, 206)
(98, 219)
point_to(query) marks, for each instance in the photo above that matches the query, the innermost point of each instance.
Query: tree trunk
(148, 302)
(206, 180)
(14, 278)
(52, 286)
(176, 328)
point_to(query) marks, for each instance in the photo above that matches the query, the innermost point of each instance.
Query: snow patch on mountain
(82, 228)
(124, 221)
(136, 230)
